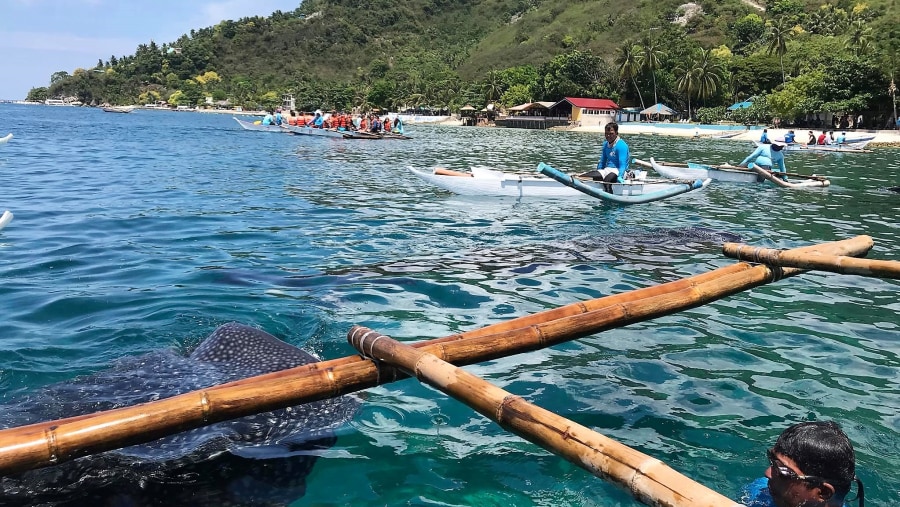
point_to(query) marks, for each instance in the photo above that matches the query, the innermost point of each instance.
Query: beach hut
(658, 110)
(467, 115)
(586, 112)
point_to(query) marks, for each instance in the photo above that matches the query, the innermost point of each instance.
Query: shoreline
(883, 138)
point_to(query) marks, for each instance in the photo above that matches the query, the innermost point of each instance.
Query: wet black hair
(822, 449)
(612, 125)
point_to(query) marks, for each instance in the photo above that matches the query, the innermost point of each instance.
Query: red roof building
(586, 112)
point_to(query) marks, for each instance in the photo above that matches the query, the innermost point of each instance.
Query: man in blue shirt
(768, 156)
(614, 157)
(764, 138)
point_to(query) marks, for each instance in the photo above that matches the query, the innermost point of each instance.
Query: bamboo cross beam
(648, 479)
(52, 442)
(818, 261)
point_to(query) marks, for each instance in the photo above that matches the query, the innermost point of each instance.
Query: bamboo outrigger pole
(805, 260)
(648, 479)
(49, 443)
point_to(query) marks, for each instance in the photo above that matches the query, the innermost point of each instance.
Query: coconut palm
(628, 63)
(650, 54)
(686, 82)
(860, 38)
(709, 74)
(779, 34)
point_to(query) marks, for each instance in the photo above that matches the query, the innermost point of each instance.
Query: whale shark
(261, 459)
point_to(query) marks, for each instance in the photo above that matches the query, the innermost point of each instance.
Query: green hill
(393, 54)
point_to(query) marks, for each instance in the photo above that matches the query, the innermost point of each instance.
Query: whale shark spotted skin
(261, 459)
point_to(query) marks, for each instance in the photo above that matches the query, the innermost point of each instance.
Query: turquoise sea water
(144, 231)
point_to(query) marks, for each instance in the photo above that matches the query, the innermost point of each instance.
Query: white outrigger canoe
(249, 125)
(731, 174)
(5, 139)
(482, 181)
(847, 147)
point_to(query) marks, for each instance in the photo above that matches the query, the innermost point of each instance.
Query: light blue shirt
(765, 156)
(616, 156)
(841, 139)
(268, 120)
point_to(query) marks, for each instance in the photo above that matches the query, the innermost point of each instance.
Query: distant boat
(118, 109)
(4, 140)
(60, 102)
(259, 127)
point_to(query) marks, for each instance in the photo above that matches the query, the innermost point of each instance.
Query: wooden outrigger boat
(311, 131)
(729, 173)
(482, 181)
(249, 125)
(5, 139)
(383, 360)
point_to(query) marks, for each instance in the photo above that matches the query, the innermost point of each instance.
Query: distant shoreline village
(575, 115)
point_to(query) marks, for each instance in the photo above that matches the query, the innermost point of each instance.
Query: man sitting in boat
(789, 137)
(614, 157)
(268, 119)
(768, 156)
(841, 139)
(318, 121)
(398, 126)
(812, 464)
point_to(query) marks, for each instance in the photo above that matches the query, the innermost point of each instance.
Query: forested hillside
(794, 56)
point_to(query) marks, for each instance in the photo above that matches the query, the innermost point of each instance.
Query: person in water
(812, 464)
(768, 156)
(614, 157)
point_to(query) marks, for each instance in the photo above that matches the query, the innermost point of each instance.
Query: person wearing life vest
(386, 123)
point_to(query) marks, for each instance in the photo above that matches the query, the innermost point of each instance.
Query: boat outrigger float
(383, 360)
(630, 192)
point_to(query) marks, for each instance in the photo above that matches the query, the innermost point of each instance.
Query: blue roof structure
(740, 105)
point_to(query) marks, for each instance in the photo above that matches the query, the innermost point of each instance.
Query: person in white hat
(768, 156)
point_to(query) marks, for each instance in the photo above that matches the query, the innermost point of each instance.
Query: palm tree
(687, 79)
(709, 74)
(650, 54)
(628, 63)
(860, 38)
(779, 35)
(493, 86)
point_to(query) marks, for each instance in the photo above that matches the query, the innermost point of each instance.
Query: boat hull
(310, 131)
(487, 182)
(5, 139)
(247, 125)
(736, 175)
(733, 174)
